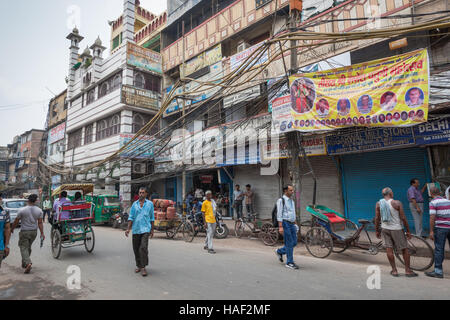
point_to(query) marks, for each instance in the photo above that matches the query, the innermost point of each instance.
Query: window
(148, 82)
(102, 128)
(90, 96)
(104, 89)
(116, 82)
(114, 125)
(108, 127)
(88, 134)
(74, 139)
(139, 81)
(138, 123)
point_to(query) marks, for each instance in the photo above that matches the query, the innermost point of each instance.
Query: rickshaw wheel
(319, 242)
(269, 234)
(339, 249)
(421, 254)
(188, 231)
(56, 243)
(89, 240)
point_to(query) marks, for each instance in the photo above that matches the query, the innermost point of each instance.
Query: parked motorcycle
(120, 220)
(197, 220)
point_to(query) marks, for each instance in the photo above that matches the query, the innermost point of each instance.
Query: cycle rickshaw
(77, 229)
(331, 232)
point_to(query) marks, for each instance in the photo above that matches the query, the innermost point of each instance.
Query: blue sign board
(433, 132)
(369, 140)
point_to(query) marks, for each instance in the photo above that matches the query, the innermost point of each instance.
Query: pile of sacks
(164, 209)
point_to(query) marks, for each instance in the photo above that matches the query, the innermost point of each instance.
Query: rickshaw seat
(333, 218)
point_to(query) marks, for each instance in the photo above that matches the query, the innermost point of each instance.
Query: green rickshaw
(106, 207)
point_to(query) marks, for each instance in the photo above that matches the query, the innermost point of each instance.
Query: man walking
(390, 215)
(5, 232)
(249, 199)
(416, 204)
(140, 221)
(287, 225)
(238, 197)
(439, 230)
(46, 207)
(209, 208)
(30, 218)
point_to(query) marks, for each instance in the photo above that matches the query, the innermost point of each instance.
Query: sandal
(27, 269)
(394, 274)
(144, 273)
(411, 275)
(137, 270)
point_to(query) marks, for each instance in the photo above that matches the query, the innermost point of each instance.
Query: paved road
(241, 269)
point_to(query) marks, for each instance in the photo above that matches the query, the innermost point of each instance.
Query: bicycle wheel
(89, 240)
(56, 243)
(239, 228)
(188, 231)
(319, 242)
(421, 254)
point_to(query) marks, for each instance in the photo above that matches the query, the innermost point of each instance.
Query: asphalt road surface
(242, 269)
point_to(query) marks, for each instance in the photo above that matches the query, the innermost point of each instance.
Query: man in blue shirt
(287, 224)
(141, 221)
(5, 232)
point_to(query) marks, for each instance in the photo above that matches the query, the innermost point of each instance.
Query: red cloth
(333, 218)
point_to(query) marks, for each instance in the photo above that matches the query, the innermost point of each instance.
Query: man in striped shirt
(440, 229)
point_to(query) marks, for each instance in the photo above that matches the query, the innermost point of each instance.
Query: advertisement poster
(204, 59)
(141, 148)
(387, 92)
(144, 58)
(239, 59)
(57, 133)
(313, 145)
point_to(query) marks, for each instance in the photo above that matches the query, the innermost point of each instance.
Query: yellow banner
(387, 92)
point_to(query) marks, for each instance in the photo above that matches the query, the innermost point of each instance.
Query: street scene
(225, 150)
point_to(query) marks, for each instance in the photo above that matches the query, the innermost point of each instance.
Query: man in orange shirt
(209, 208)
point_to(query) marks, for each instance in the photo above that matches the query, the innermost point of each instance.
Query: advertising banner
(57, 133)
(237, 60)
(313, 145)
(141, 148)
(387, 92)
(144, 58)
(204, 59)
(369, 140)
(203, 93)
(433, 132)
(140, 98)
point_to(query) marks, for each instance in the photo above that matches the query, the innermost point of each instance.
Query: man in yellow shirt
(209, 217)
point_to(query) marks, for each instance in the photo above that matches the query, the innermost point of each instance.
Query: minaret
(75, 40)
(97, 51)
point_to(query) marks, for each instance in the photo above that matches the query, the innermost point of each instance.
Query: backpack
(275, 213)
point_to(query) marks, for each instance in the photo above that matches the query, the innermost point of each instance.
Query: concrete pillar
(126, 122)
(128, 20)
(125, 183)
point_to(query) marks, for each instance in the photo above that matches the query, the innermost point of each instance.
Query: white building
(109, 99)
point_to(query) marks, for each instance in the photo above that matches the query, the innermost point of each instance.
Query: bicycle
(185, 227)
(329, 228)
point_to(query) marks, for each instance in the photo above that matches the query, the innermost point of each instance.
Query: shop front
(373, 159)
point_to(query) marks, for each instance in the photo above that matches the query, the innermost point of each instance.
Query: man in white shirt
(287, 224)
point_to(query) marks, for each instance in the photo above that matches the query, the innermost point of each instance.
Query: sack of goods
(171, 213)
(161, 215)
(164, 209)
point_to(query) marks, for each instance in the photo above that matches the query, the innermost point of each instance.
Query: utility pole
(294, 137)
(183, 177)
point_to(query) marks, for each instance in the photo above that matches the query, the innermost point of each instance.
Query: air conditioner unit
(242, 46)
(139, 168)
